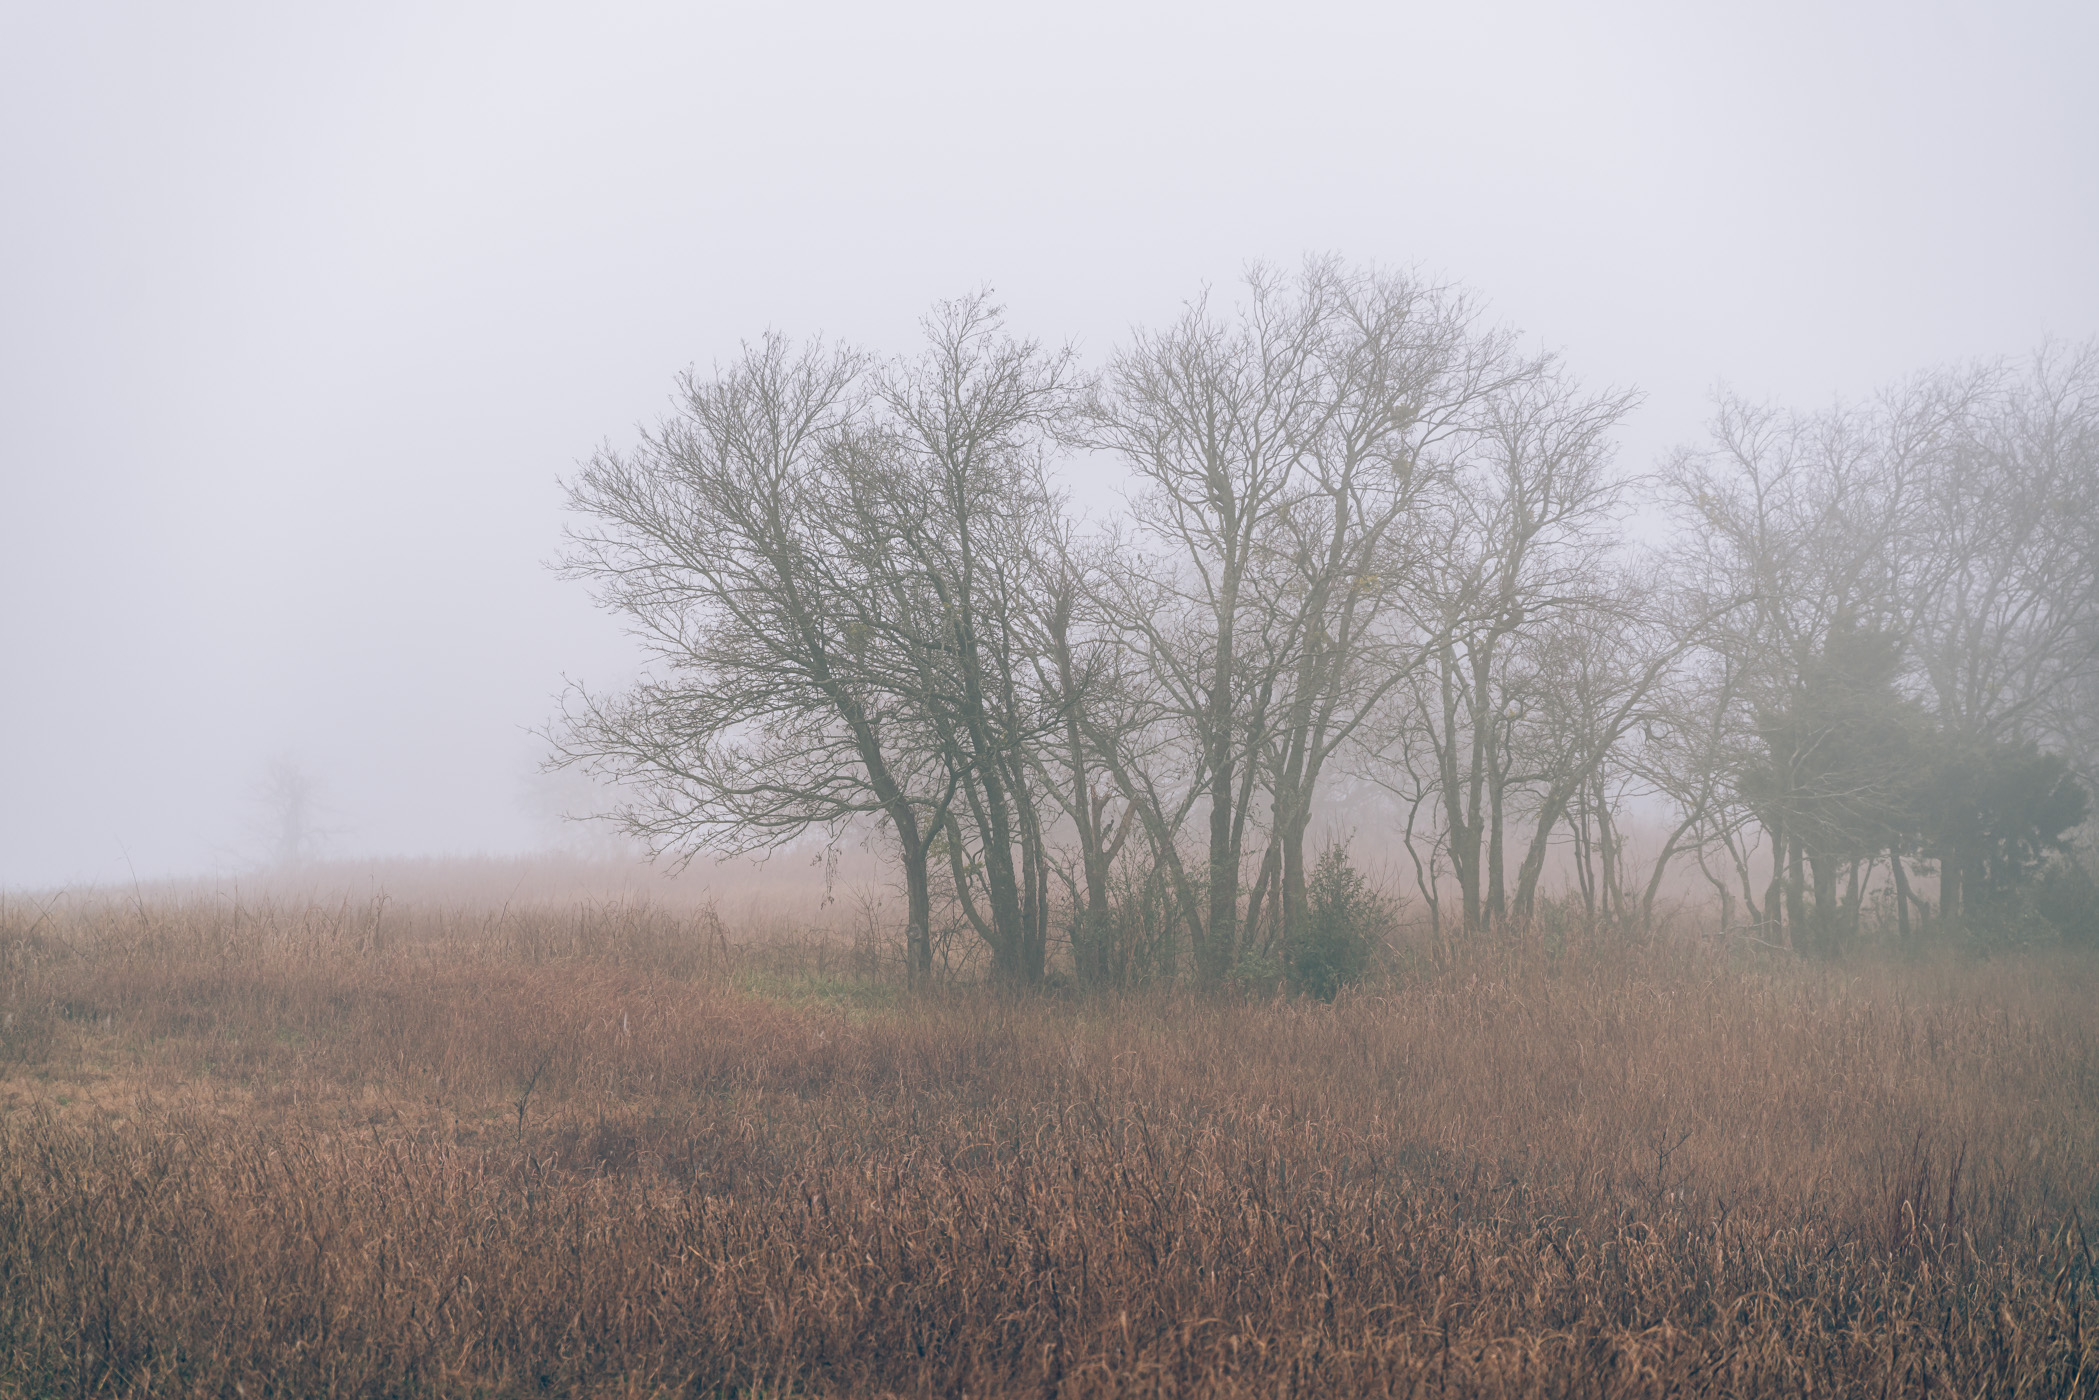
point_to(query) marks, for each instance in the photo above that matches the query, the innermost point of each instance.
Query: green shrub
(2068, 897)
(1345, 925)
(1258, 973)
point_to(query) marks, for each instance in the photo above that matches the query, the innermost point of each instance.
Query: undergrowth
(613, 1151)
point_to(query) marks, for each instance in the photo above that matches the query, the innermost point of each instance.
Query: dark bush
(1345, 924)
(2068, 897)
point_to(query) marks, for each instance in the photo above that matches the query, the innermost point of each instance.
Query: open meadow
(302, 1149)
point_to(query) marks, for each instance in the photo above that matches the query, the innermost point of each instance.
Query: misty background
(302, 316)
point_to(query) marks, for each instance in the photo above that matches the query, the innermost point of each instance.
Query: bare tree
(1694, 746)
(765, 715)
(1407, 378)
(2004, 576)
(1597, 682)
(289, 810)
(946, 508)
(1214, 418)
(1086, 682)
(1516, 549)
(1806, 519)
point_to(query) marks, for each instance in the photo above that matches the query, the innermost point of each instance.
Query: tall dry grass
(377, 1151)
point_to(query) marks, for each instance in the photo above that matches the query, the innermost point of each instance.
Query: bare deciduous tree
(289, 811)
(948, 509)
(1516, 549)
(715, 540)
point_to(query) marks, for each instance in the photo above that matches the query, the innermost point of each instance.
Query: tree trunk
(1292, 902)
(918, 913)
(1465, 865)
(1774, 893)
(1611, 897)
(1001, 880)
(1796, 897)
(1258, 903)
(1824, 935)
(1034, 869)
(1852, 913)
(1532, 869)
(1952, 898)
(1902, 895)
(1213, 959)
(1090, 926)
(1467, 804)
(1496, 896)
(1661, 868)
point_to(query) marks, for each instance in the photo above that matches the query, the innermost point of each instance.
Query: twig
(524, 1099)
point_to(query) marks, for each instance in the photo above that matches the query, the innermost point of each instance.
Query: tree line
(1368, 542)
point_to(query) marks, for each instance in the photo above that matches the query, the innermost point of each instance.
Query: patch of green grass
(852, 995)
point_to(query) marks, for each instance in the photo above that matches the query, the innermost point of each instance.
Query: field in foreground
(306, 1151)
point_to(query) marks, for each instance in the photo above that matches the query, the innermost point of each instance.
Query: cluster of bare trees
(1906, 623)
(1370, 545)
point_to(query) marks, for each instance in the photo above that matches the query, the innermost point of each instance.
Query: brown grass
(313, 1151)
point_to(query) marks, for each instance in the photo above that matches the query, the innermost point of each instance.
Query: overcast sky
(303, 314)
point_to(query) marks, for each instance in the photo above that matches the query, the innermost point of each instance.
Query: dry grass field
(308, 1150)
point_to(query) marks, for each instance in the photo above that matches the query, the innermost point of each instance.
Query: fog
(303, 317)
